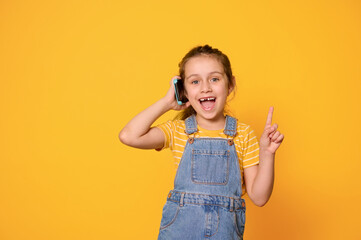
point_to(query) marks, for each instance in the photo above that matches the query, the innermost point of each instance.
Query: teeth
(206, 99)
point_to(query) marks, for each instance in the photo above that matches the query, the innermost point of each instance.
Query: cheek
(222, 90)
(188, 92)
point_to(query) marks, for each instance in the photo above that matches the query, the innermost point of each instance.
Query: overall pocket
(170, 212)
(210, 167)
(240, 220)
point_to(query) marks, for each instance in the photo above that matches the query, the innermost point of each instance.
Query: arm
(139, 133)
(259, 179)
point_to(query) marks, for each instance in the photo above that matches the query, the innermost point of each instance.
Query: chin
(210, 116)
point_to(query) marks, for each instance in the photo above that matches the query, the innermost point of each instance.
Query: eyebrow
(198, 74)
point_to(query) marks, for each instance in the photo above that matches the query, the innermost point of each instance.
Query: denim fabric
(206, 201)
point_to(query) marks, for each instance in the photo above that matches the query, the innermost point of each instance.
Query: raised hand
(271, 139)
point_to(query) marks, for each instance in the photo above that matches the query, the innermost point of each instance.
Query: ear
(231, 87)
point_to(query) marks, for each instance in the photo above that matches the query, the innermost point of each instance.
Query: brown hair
(208, 51)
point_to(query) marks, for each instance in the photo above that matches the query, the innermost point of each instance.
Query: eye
(214, 79)
(195, 82)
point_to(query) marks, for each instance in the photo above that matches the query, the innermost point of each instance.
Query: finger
(269, 117)
(275, 136)
(274, 127)
(279, 139)
(271, 130)
(267, 131)
(172, 82)
(271, 135)
(175, 77)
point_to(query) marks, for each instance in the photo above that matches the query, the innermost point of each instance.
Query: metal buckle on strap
(181, 202)
(231, 205)
(191, 138)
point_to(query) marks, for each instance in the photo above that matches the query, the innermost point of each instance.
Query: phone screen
(179, 91)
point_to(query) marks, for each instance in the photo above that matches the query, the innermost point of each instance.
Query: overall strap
(191, 125)
(231, 126)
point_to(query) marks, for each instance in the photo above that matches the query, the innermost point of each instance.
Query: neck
(211, 124)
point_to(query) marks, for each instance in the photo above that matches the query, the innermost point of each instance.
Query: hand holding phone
(179, 91)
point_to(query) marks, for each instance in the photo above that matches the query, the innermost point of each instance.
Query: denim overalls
(206, 201)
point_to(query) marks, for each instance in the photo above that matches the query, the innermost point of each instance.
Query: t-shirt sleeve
(167, 129)
(250, 149)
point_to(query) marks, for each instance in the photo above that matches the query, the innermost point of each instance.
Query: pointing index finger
(269, 117)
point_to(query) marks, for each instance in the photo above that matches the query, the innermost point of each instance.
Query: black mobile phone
(179, 92)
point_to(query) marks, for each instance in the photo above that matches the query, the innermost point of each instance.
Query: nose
(206, 86)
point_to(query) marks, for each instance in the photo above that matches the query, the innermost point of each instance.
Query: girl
(219, 158)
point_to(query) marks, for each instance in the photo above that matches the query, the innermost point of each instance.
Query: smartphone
(179, 92)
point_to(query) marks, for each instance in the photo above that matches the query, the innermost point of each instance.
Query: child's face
(206, 87)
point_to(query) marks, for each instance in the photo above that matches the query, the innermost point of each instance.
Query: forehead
(202, 64)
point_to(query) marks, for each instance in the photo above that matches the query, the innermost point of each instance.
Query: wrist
(166, 105)
(265, 153)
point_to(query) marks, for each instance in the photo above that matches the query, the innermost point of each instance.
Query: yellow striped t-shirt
(245, 142)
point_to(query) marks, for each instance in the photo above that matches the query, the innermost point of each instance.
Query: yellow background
(73, 73)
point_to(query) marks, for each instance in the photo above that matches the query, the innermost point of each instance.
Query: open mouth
(207, 103)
